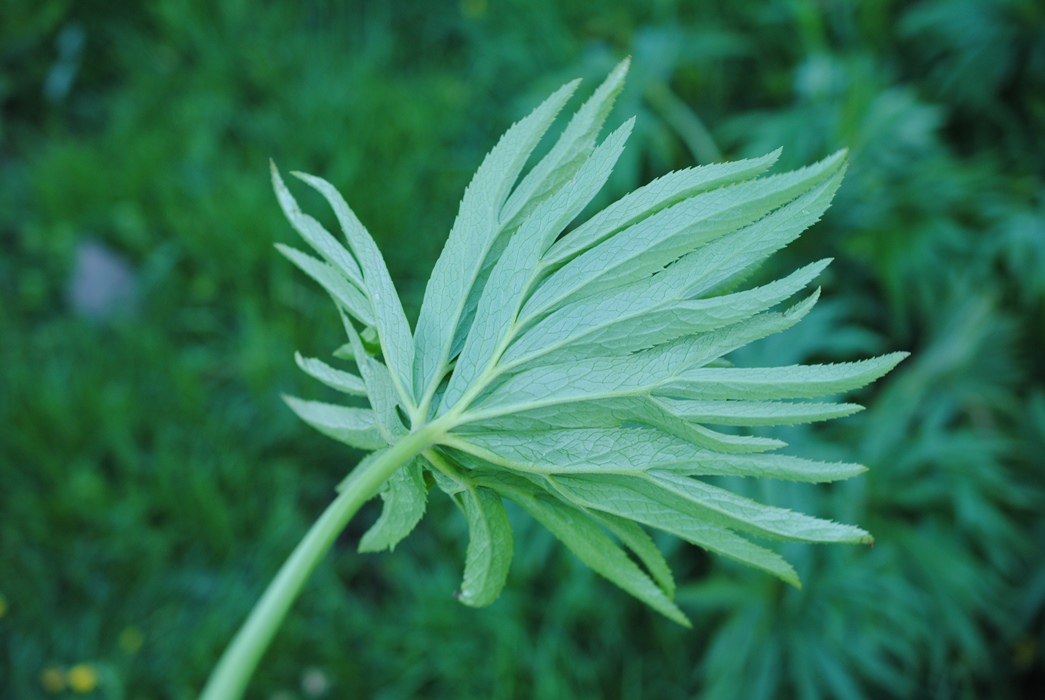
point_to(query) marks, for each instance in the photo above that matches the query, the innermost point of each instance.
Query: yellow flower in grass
(82, 678)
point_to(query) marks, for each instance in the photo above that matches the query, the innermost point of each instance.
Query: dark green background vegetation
(151, 480)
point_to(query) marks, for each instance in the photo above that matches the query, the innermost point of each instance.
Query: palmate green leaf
(579, 373)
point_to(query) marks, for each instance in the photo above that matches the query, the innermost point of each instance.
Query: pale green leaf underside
(345, 382)
(644, 502)
(575, 143)
(490, 546)
(794, 382)
(582, 535)
(500, 303)
(634, 451)
(639, 373)
(405, 497)
(380, 388)
(632, 536)
(474, 233)
(389, 318)
(582, 374)
(346, 294)
(352, 426)
(618, 413)
(314, 233)
(646, 247)
(652, 198)
(642, 315)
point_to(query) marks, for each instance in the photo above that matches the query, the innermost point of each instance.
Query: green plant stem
(685, 122)
(229, 678)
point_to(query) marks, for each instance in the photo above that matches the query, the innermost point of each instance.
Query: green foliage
(153, 480)
(600, 422)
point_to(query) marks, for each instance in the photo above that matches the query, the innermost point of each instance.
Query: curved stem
(229, 678)
(687, 123)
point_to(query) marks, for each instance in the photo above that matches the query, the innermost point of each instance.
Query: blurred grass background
(151, 481)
